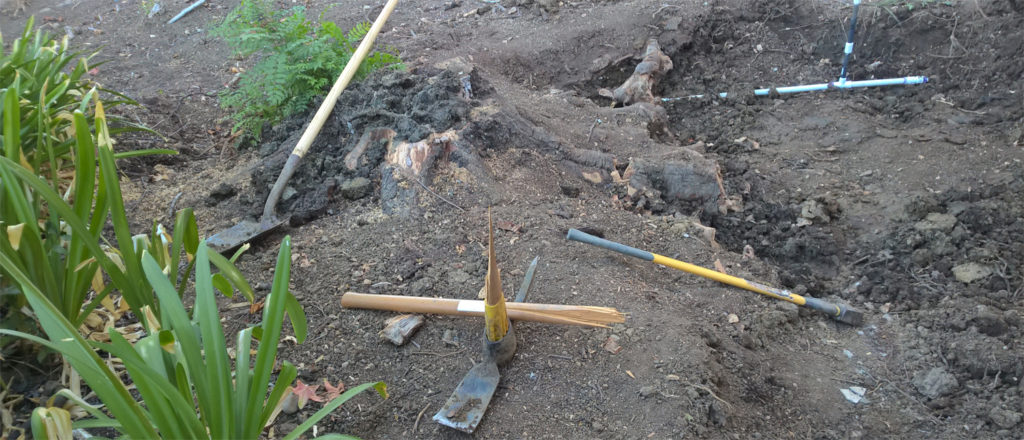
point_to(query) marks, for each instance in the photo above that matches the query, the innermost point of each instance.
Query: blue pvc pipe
(909, 80)
(186, 11)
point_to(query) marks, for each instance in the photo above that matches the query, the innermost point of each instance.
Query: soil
(901, 201)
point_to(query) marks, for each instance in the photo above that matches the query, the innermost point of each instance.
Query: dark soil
(902, 202)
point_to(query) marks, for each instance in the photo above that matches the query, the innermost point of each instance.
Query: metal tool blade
(527, 280)
(230, 239)
(468, 403)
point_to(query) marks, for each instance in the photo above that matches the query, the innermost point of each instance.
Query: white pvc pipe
(909, 80)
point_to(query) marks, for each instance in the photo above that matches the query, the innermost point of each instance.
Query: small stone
(747, 341)
(291, 404)
(935, 383)
(970, 272)
(672, 377)
(449, 337)
(988, 322)
(717, 414)
(732, 318)
(570, 190)
(936, 222)
(647, 391)
(220, 193)
(354, 189)
(854, 394)
(289, 192)
(1004, 418)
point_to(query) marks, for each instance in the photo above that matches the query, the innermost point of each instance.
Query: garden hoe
(467, 405)
(230, 239)
(839, 312)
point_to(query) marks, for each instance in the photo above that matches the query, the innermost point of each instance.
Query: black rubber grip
(583, 237)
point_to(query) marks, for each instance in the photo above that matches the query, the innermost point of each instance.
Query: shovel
(232, 238)
(467, 405)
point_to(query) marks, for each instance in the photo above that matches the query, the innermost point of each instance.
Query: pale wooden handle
(339, 86)
(547, 313)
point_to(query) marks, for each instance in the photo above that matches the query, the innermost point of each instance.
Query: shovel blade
(467, 405)
(232, 238)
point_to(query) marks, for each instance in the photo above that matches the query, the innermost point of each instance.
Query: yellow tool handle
(784, 295)
(839, 312)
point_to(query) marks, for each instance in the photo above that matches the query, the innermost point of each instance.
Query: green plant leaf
(297, 317)
(273, 315)
(223, 285)
(229, 271)
(66, 340)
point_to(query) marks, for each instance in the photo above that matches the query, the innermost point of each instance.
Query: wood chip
(399, 329)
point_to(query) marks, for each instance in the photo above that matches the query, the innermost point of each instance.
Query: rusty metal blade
(466, 407)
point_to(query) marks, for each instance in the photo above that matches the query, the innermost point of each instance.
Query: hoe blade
(232, 238)
(467, 405)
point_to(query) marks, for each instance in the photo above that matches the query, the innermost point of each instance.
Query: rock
(1012, 318)
(854, 394)
(814, 212)
(672, 24)
(688, 180)
(570, 190)
(354, 189)
(970, 272)
(1004, 418)
(988, 322)
(936, 222)
(291, 404)
(647, 391)
(220, 193)
(449, 337)
(935, 383)
(717, 414)
(747, 341)
(400, 328)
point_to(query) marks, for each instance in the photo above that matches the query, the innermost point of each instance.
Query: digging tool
(839, 312)
(230, 239)
(468, 403)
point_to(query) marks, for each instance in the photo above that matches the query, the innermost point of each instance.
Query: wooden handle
(313, 129)
(548, 313)
(346, 75)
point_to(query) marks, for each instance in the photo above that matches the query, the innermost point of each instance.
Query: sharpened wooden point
(495, 315)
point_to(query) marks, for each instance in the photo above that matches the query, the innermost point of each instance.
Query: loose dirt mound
(412, 105)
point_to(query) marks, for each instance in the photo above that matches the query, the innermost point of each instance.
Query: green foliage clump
(35, 76)
(59, 183)
(191, 384)
(298, 59)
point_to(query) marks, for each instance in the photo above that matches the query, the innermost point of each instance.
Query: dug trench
(853, 196)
